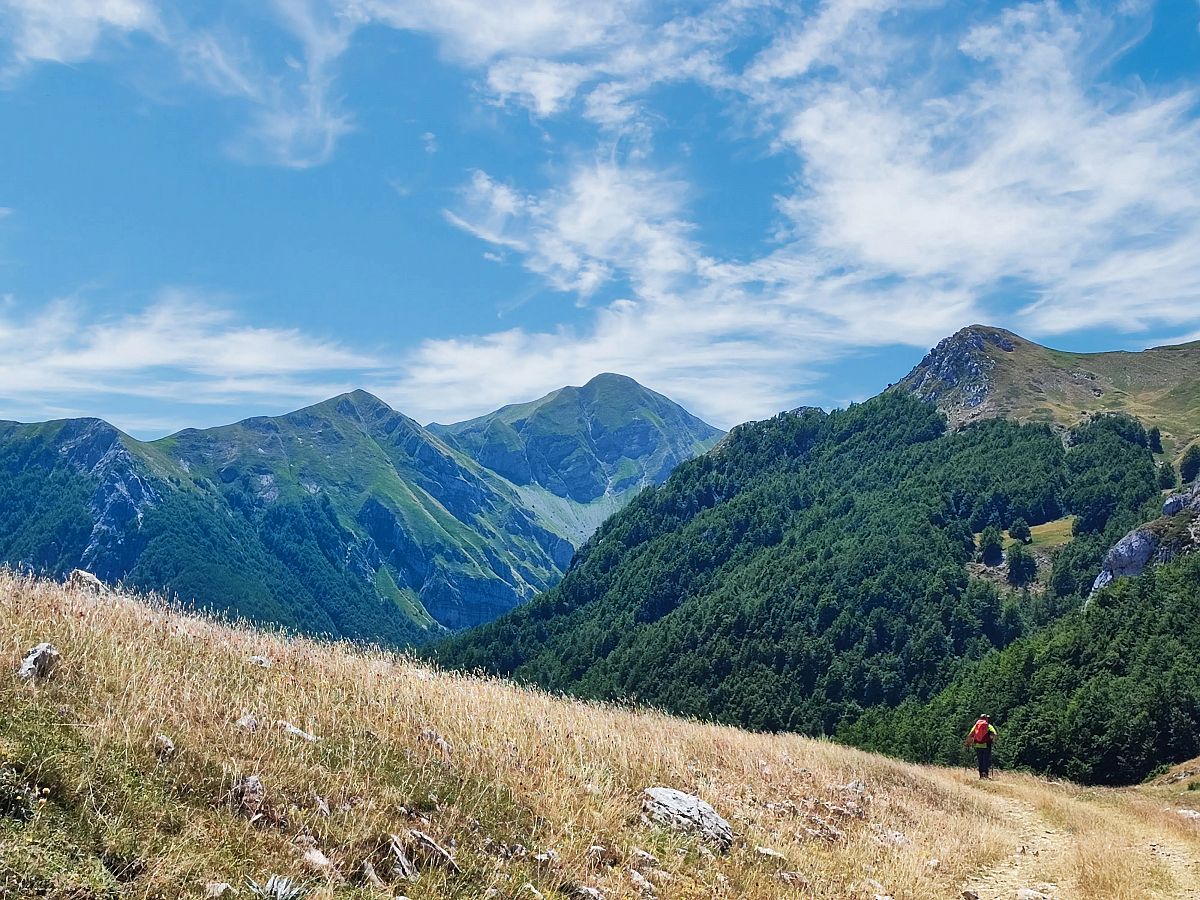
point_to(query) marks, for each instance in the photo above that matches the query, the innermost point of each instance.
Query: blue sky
(210, 211)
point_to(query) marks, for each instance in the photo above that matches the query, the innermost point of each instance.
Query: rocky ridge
(956, 374)
(344, 518)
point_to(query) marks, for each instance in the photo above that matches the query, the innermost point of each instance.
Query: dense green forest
(1107, 694)
(813, 567)
(41, 495)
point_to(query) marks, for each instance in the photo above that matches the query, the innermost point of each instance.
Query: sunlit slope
(495, 774)
(983, 372)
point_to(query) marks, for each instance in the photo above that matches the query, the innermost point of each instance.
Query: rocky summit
(985, 372)
(345, 518)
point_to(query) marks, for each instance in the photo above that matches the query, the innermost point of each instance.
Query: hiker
(981, 737)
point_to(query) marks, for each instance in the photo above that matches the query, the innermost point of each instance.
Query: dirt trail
(1046, 858)
(1040, 846)
(1183, 866)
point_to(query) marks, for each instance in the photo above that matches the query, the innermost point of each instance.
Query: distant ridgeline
(817, 572)
(345, 518)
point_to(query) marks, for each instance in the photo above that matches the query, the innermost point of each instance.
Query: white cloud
(994, 170)
(1030, 172)
(543, 85)
(66, 31)
(731, 339)
(181, 349)
(840, 28)
(476, 31)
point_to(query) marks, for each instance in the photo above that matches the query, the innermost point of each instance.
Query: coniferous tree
(991, 545)
(1022, 567)
(1166, 475)
(1155, 440)
(1189, 466)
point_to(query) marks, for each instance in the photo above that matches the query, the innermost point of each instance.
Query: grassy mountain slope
(452, 535)
(580, 452)
(984, 372)
(88, 810)
(815, 566)
(344, 518)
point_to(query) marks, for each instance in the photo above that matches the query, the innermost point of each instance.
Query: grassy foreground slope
(987, 372)
(88, 810)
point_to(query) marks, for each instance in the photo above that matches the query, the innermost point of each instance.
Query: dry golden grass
(525, 768)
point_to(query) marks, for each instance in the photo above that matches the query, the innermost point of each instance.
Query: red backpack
(979, 734)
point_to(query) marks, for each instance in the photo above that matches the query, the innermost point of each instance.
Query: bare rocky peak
(957, 370)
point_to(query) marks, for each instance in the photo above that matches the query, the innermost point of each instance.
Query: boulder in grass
(164, 747)
(260, 662)
(686, 812)
(86, 581)
(247, 722)
(401, 865)
(317, 862)
(39, 663)
(249, 796)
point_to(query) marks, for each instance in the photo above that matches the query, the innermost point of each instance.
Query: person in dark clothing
(981, 737)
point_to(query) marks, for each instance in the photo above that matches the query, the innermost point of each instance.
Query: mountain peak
(615, 379)
(606, 439)
(957, 371)
(983, 371)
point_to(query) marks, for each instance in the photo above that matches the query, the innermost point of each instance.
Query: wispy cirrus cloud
(67, 31)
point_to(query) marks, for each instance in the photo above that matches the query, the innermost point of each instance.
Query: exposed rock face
(1128, 557)
(119, 503)
(1177, 503)
(686, 812)
(1177, 532)
(957, 369)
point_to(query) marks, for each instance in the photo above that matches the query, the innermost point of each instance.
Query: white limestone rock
(686, 812)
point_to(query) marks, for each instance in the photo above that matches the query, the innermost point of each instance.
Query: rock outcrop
(686, 812)
(1176, 532)
(1128, 557)
(956, 373)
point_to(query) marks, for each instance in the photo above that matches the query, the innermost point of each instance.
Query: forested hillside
(1108, 694)
(814, 566)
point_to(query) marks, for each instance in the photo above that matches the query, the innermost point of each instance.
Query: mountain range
(822, 572)
(344, 518)
(874, 573)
